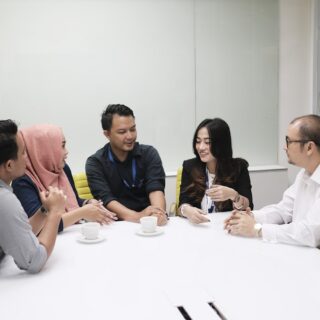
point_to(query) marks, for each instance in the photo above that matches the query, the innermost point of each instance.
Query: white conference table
(128, 276)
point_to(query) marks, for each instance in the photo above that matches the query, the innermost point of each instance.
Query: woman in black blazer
(213, 181)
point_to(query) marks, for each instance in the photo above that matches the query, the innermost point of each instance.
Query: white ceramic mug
(90, 230)
(148, 224)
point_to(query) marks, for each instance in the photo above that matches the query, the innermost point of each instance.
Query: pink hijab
(44, 153)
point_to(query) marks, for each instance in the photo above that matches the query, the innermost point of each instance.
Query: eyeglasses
(288, 141)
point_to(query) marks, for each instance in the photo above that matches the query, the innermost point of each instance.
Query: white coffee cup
(90, 230)
(148, 224)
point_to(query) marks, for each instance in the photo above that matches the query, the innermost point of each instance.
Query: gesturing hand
(221, 193)
(53, 200)
(97, 212)
(195, 215)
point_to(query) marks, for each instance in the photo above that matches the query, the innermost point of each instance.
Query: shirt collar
(135, 152)
(4, 185)
(314, 177)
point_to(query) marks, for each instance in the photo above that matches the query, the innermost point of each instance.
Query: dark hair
(309, 128)
(227, 168)
(8, 141)
(220, 138)
(111, 109)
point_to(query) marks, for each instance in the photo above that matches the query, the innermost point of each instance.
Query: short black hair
(309, 128)
(8, 140)
(111, 109)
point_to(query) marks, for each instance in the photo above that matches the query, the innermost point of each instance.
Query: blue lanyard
(210, 203)
(134, 170)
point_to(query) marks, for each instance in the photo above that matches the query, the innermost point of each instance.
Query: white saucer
(82, 239)
(150, 234)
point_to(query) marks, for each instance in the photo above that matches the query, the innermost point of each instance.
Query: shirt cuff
(155, 186)
(259, 217)
(269, 233)
(38, 260)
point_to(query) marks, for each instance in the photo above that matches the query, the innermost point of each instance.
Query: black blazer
(242, 184)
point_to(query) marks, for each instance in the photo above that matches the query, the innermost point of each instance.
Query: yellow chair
(81, 183)
(174, 206)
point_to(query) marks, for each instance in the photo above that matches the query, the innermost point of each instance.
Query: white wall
(296, 48)
(42, 56)
(295, 67)
(174, 62)
(236, 52)
(63, 61)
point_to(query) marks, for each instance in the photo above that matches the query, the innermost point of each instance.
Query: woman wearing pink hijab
(46, 154)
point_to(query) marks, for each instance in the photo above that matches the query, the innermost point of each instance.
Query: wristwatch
(236, 198)
(258, 228)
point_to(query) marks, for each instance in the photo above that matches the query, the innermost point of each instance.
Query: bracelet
(85, 202)
(182, 208)
(236, 198)
(237, 208)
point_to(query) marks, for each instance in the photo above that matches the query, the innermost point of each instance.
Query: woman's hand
(97, 212)
(221, 193)
(194, 214)
(92, 201)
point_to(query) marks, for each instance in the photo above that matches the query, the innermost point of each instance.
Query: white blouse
(207, 203)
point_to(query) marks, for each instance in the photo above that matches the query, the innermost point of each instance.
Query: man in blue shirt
(127, 176)
(16, 237)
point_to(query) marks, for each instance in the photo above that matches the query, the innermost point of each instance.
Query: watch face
(257, 226)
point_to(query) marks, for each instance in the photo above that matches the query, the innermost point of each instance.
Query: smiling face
(203, 145)
(122, 135)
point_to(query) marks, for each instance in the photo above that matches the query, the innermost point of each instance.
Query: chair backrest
(173, 210)
(178, 184)
(81, 183)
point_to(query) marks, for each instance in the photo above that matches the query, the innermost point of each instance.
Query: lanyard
(210, 203)
(133, 167)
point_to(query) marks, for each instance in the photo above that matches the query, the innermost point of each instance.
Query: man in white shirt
(296, 218)
(17, 239)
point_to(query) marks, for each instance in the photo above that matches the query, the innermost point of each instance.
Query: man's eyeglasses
(288, 141)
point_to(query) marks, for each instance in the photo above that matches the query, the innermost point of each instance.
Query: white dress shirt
(296, 218)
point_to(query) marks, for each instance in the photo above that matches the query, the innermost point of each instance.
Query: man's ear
(106, 133)
(310, 145)
(8, 165)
